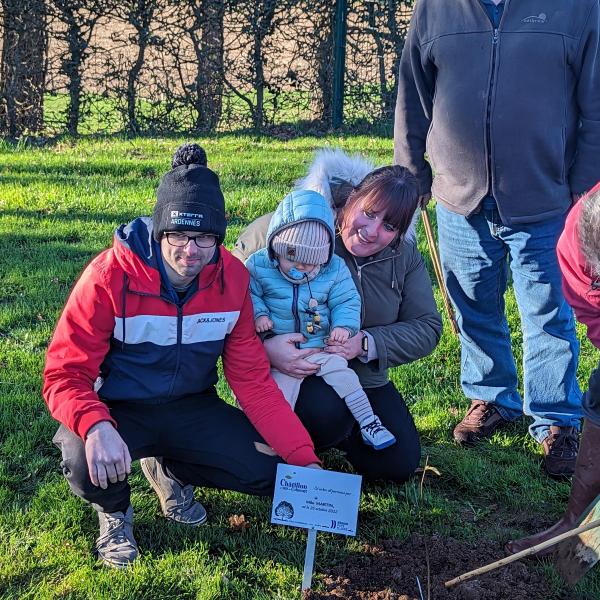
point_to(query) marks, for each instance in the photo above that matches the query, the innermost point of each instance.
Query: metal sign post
(314, 499)
(309, 559)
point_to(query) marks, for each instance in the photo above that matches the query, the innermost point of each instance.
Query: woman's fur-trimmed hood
(332, 170)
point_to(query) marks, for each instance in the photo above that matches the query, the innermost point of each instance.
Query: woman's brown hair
(390, 190)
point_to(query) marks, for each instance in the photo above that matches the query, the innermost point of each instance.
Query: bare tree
(383, 23)
(22, 72)
(79, 18)
(202, 65)
(256, 21)
(324, 20)
(139, 14)
(396, 16)
(206, 35)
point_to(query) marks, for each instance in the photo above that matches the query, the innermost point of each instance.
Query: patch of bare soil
(390, 571)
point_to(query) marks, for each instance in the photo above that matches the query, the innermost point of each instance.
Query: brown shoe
(480, 422)
(560, 451)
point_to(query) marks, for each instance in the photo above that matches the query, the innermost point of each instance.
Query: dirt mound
(390, 571)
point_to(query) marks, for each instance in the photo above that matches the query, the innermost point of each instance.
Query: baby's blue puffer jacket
(286, 303)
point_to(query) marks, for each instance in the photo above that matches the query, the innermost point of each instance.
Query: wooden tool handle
(437, 267)
(523, 553)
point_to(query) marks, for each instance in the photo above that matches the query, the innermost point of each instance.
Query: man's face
(186, 261)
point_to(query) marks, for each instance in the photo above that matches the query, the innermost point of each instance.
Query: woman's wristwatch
(364, 343)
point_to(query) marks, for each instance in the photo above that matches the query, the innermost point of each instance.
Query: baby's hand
(339, 335)
(262, 324)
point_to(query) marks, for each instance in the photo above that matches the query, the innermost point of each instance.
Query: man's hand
(349, 349)
(424, 199)
(262, 324)
(339, 335)
(285, 357)
(314, 466)
(106, 454)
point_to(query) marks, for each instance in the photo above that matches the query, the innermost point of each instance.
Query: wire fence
(169, 66)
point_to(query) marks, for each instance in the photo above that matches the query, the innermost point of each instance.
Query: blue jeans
(475, 254)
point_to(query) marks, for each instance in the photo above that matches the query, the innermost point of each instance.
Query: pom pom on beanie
(189, 154)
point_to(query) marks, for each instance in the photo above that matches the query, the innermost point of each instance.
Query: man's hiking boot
(560, 451)
(480, 422)
(176, 500)
(376, 435)
(116, 547)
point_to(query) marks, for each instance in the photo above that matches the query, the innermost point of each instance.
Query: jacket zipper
(488, 117)
(295, 308)
(178, 346)
(179, 333)
(359, 269)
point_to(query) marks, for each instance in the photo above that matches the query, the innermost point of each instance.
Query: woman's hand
(349, 349)
(285, 357)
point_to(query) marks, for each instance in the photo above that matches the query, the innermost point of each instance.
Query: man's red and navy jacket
(124, 335)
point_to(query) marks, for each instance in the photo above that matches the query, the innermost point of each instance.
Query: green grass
(58, 208)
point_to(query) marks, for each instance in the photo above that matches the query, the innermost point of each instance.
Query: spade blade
(578, 554)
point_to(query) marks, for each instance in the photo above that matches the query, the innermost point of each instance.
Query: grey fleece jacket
(512, 112)
(398, 308)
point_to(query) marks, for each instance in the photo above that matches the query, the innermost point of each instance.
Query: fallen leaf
(422, 470)
(238, 522)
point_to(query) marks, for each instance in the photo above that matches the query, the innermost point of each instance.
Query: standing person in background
(132, 367)
(579, 258)
(504, 97)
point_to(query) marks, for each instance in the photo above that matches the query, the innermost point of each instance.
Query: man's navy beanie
(189, 197)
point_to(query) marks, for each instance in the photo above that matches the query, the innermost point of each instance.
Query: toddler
(299, 285)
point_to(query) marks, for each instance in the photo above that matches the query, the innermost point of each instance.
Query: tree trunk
(395, 9)
(72, 68)
(140, 17)
(22, 72)
(324, 57)
(209, 55)
(132, 78)
(259, 84)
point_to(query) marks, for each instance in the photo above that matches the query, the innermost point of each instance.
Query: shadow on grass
(77, 216)
(128, 182)
(20, 585)
(280, 132)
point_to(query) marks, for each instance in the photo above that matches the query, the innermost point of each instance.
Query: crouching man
(132, 367)
(579, 257)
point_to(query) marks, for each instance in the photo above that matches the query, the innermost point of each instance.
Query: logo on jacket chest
(211, 320)
(162, 330)
(541, 18)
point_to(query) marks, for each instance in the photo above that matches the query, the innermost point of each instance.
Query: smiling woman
(399, 319)
(378, 211)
